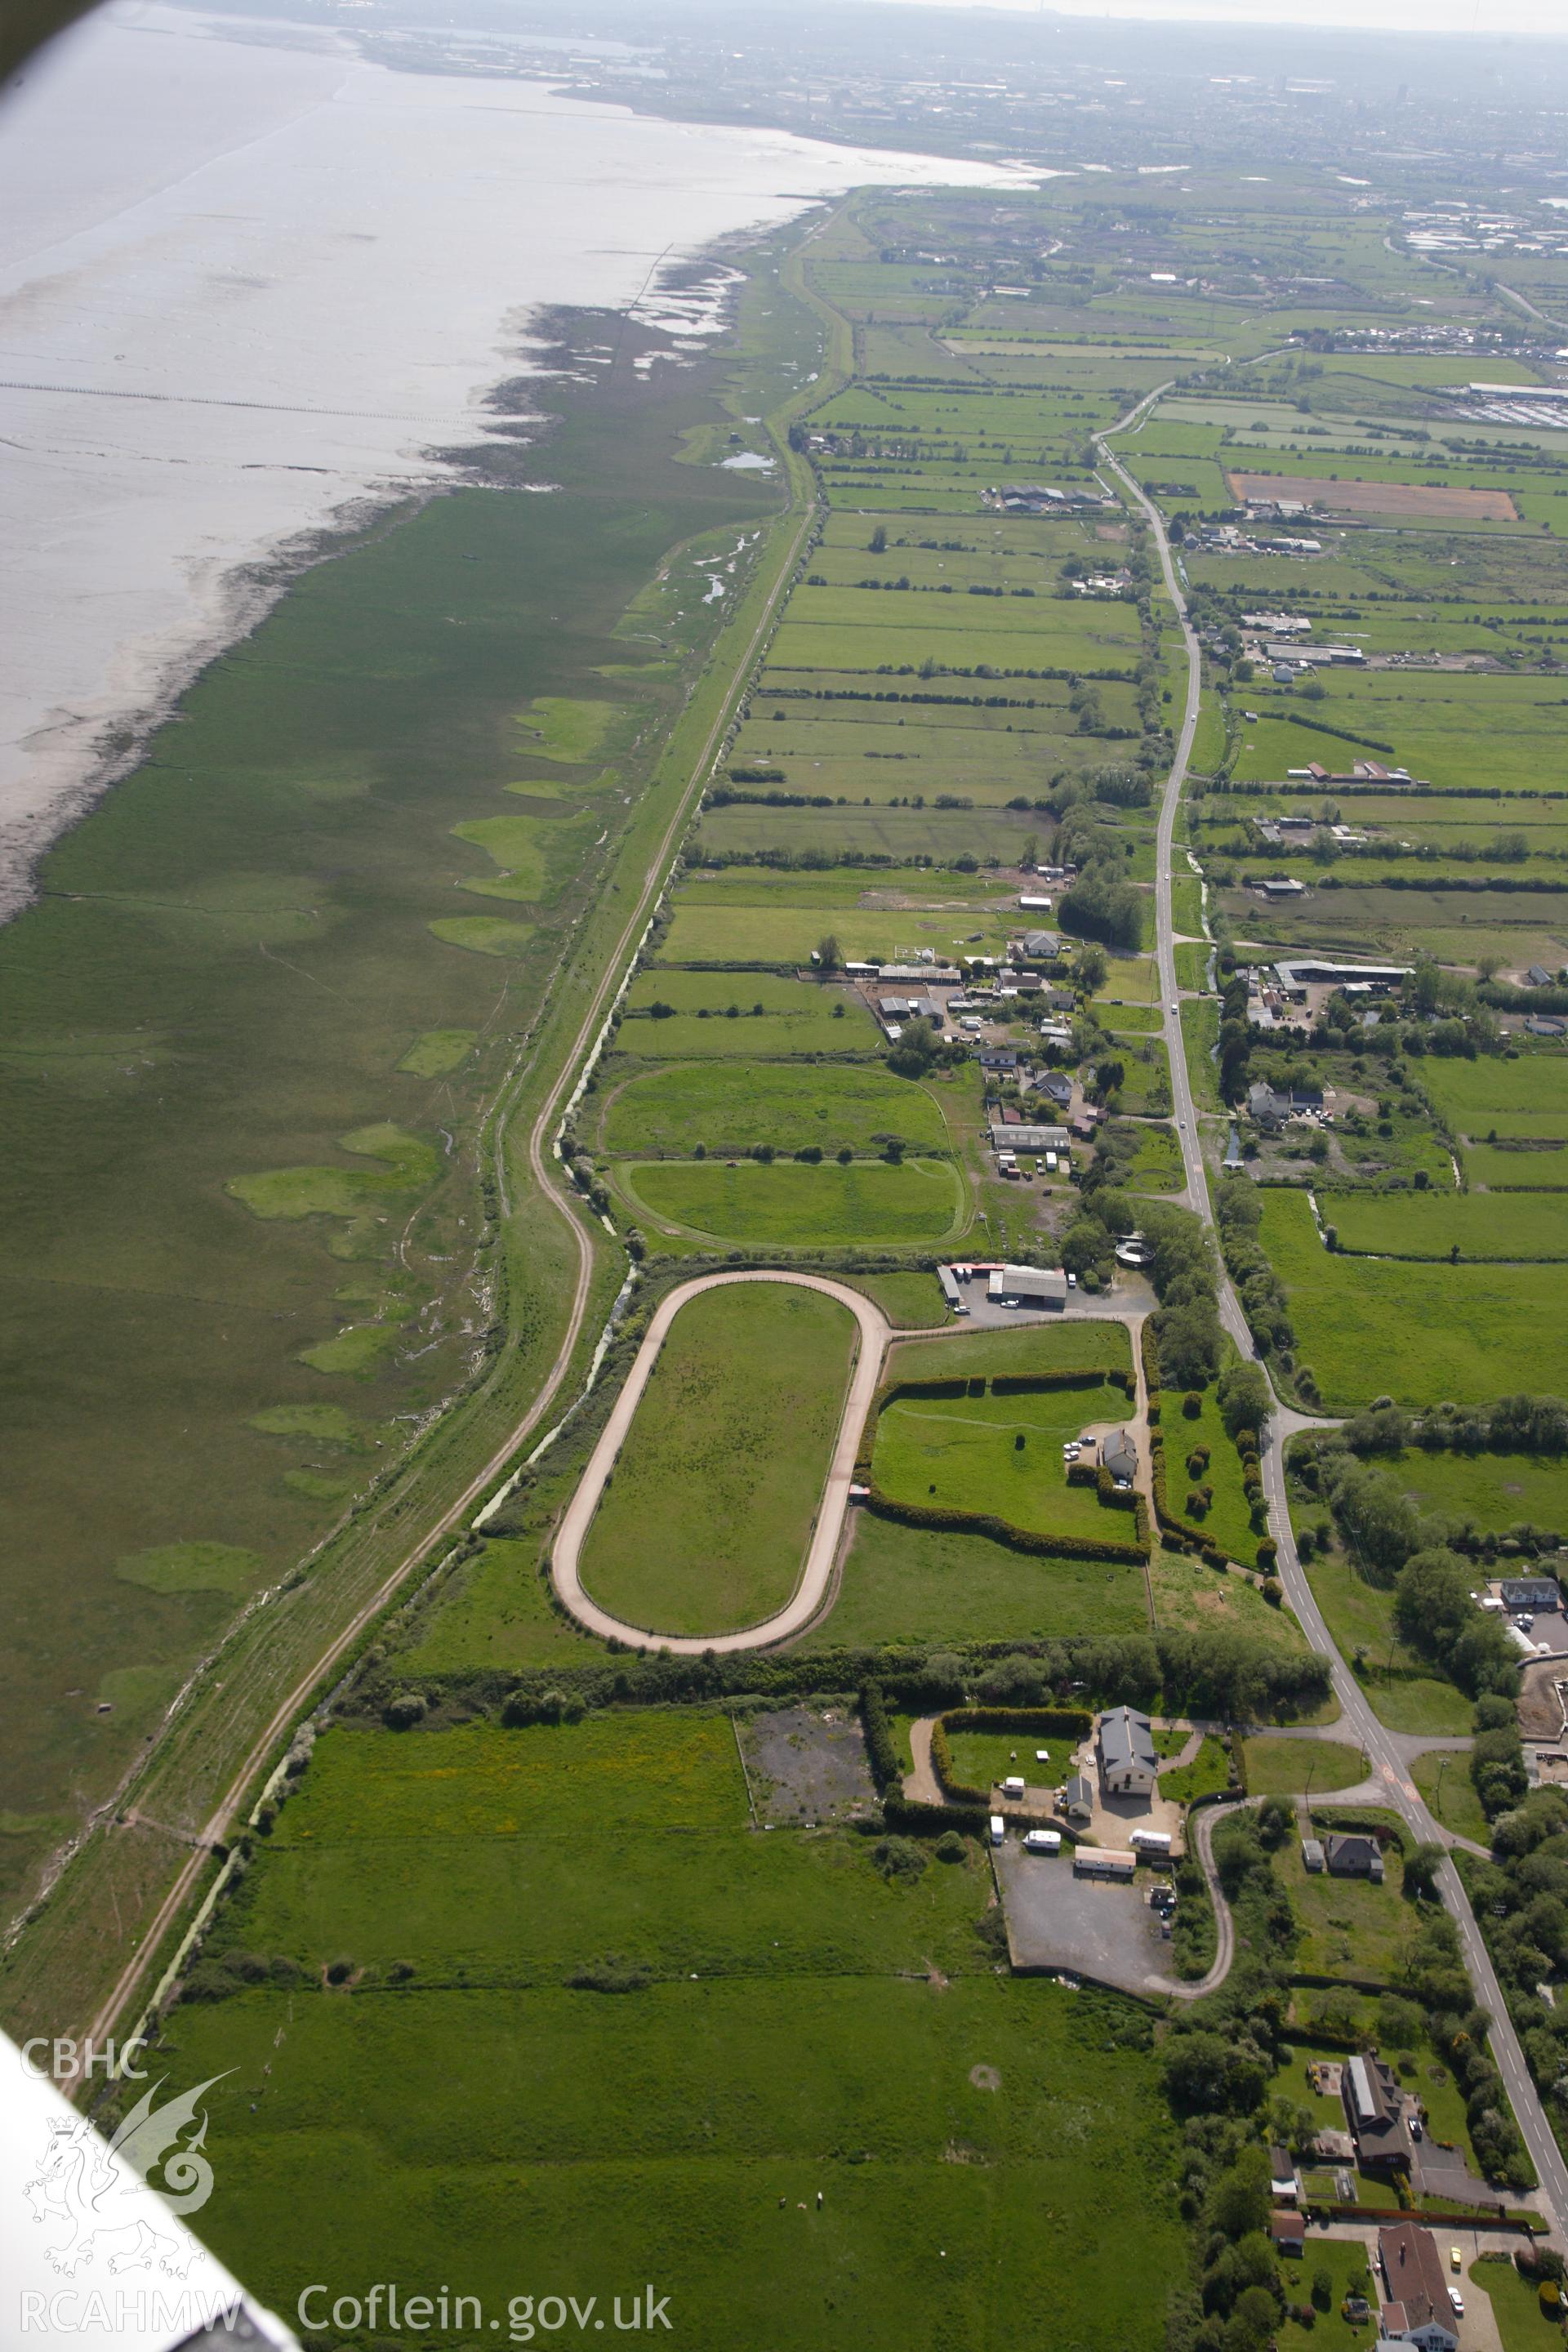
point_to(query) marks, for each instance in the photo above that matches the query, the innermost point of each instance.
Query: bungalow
(1077, 1798)
(1288, 2231)
(1418, 2309)
(998, 1061)
(1120, 1455)
(1127, 1756)
(1057, 1088)
(1283, 2185)
(1353, 1856)
(1044, 944)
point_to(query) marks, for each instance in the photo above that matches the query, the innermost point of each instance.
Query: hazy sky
(1542, 17)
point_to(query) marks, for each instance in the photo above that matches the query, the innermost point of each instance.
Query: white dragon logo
(101, 2187)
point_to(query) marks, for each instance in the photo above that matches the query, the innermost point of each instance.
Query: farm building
(1350, 1855)
(1127, 1756)
(1298, 973)
(1077, 1798)
(1282, 886)
(1418, 2310)
(1017, 1135)
(1029, 1285)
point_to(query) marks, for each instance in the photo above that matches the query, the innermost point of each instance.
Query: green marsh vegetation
(261, 945)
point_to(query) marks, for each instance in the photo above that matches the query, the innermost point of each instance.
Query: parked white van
(998, 1829)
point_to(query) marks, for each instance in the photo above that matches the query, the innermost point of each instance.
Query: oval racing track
(816, 1575)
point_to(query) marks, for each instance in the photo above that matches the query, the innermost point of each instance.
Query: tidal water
(250, 282)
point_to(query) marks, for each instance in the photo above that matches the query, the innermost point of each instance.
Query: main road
(1383, 1750)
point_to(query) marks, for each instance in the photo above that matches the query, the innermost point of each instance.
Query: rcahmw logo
(106, 2195)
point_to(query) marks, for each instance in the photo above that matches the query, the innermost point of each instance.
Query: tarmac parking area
(1091, 1927)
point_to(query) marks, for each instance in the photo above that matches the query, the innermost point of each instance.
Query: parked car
(1457, 2300)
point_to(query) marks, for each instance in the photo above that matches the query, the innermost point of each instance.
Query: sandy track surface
(816, 1575)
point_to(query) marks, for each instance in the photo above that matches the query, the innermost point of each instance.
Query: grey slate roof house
(1348, 1856)
(1127, 1754)
(1120, 1455)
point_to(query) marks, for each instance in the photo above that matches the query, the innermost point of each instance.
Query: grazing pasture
(935, 1585)
(997, 1454)
(1435, 1224)
(734, 1106)
(1370, 1328)
(790, 1205)
(718, 1015)
(689, 2033)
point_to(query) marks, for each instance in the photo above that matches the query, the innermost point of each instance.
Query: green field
(1078, 1346)
(1444, 1779)
(1293, 1768)
(998, 1454)
(1187, 1593)
(804, 2026)
(704, 1521)
(934, 1585)
(1494, 1490)
(1348, 1926)
(1227, 1519)
(732, 1107)
(767, 933)
(792, 1205)
(795, 1017)
(1418, 1333)
(1432, 1225)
